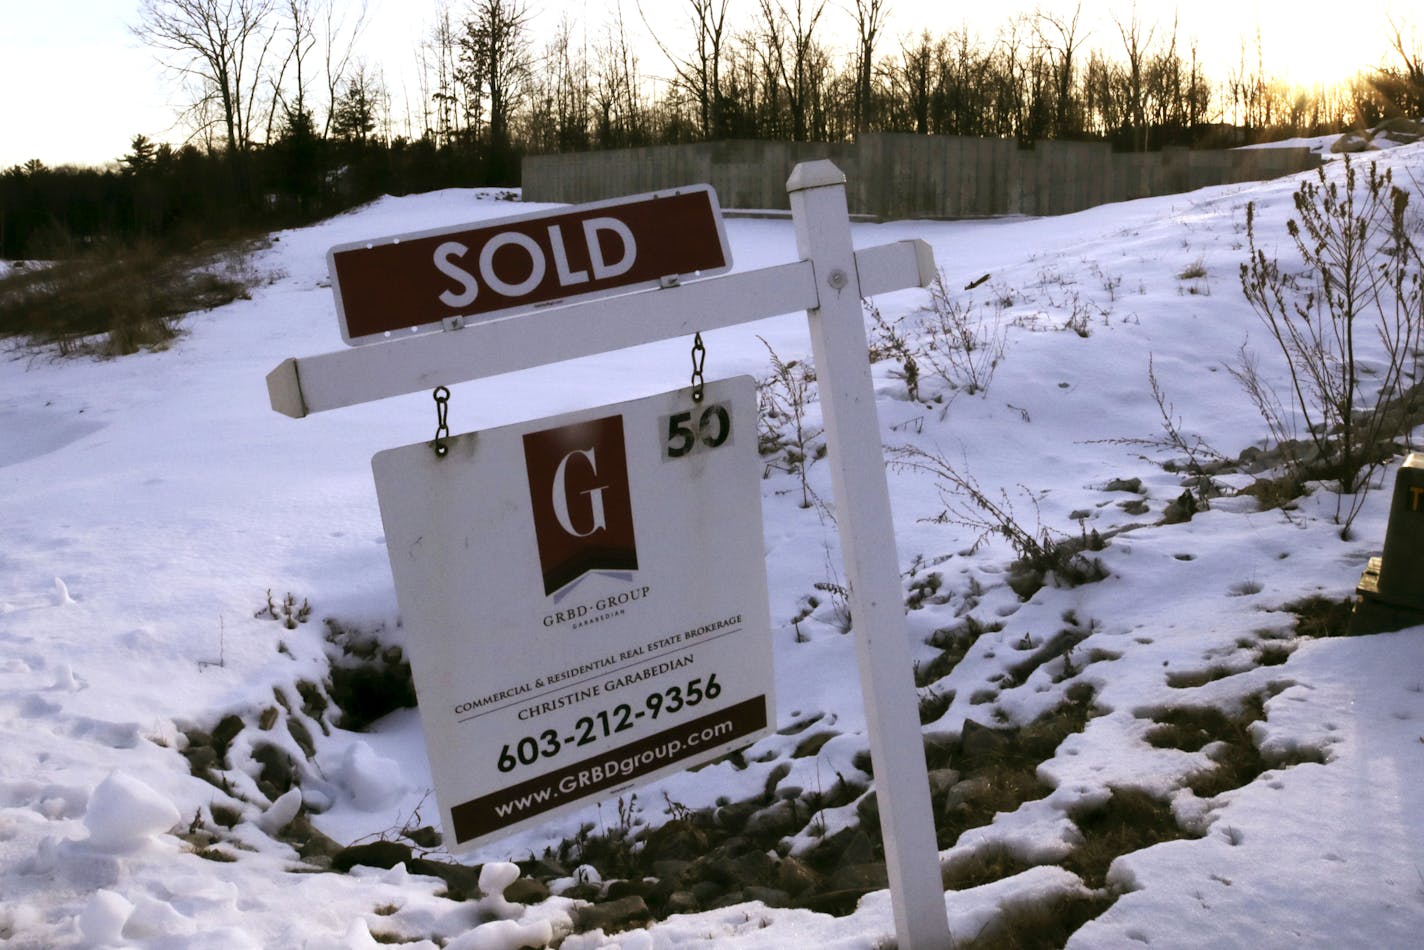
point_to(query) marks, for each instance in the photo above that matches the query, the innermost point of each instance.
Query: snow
(124, 814)
(147, 504)
(1320, 144)
(1316, 143)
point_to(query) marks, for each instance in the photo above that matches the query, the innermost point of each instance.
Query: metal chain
(699, 357)
(442, 420)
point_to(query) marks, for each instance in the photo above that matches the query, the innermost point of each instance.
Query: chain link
(442, 420)
(699, 357)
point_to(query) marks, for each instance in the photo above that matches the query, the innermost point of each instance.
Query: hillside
(1157, 752)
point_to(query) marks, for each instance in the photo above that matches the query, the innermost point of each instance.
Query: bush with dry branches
(1041, 554)
(1362, 277)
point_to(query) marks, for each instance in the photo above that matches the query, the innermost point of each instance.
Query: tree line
(289, 123)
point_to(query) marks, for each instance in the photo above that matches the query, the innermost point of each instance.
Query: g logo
(560, 496)
(578, 490)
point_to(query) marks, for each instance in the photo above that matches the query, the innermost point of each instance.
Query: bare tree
(222, 47)
(1136, 46)
(1198, 92)
(1402, 86)
(870, 18)
(1009, 80)
(496, 62)
(1103, 99)
(757, 70)
(312, 25)
(912, 82)
(616, 90)
(339, 36)
(1058, 35)
(1163, 86)
(439, 87)
(299, 20)
(793, 38)
(560, 95)
(967, 79)
(699, 75)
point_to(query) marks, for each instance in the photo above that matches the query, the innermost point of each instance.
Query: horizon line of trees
(290, 124)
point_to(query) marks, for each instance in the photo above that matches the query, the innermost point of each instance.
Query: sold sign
(446, 277)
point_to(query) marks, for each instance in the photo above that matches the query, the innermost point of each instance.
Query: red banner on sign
(613, 768)
(578, 490)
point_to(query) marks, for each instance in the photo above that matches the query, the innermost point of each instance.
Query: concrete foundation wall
(909, 176)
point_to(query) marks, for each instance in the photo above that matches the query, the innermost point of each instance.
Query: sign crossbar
(305, 385)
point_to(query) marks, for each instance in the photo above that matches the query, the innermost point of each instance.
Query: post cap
(817, 174)
(284, 390)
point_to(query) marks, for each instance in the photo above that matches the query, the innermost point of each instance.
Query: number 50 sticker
(695, 430)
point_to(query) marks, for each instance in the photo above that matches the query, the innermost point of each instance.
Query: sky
(53, 109)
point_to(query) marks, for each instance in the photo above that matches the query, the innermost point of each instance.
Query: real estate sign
(586, 601)
(441, 278)
(585, 594)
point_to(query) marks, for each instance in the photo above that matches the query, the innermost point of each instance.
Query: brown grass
(1036, 925)
(1318, 616)
(1128, 821)
(119, 300)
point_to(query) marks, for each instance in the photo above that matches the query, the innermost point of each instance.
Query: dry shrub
(120, 299)
(1362, 280)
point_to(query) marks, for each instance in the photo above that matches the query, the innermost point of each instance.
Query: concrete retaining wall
(909, 176)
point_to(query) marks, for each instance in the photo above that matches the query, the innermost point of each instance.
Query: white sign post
(828, 283)
(887, 683)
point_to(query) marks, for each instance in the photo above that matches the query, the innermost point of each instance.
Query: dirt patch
(1128, 821)
(1319, 616)
(954, 644)
(1036, 925)
(997, 768)
(1236, 761)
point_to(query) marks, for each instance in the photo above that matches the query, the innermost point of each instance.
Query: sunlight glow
(42, 47)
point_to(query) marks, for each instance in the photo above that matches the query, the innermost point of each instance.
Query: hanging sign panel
(441, 278)
(586, 601)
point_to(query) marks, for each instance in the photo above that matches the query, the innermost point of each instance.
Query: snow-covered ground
(148, 504)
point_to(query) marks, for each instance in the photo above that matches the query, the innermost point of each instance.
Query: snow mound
(372, 779)
(282, 811)
(103, 918)
(124, 814)
(505, 935)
